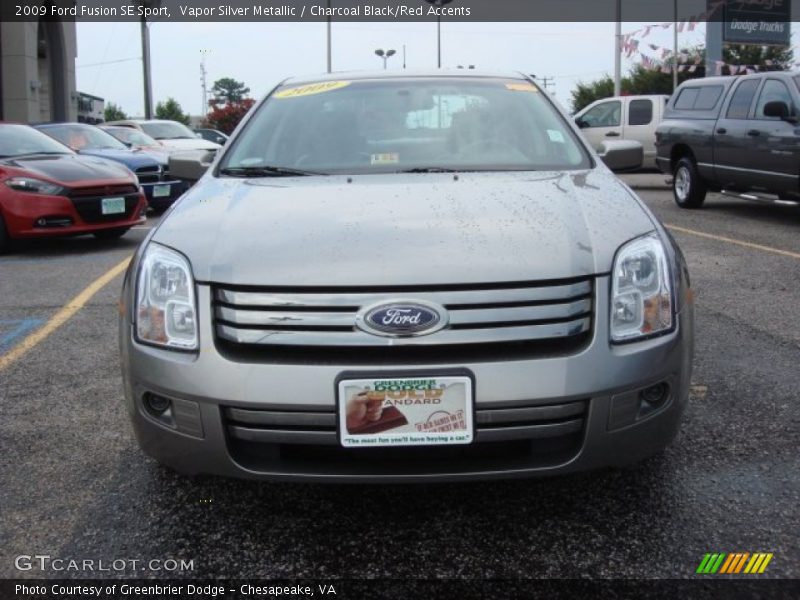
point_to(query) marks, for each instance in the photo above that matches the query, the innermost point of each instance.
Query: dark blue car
(160, 189)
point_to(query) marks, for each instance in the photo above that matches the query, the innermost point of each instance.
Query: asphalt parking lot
(75, 485)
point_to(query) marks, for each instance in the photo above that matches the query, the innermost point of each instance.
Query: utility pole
(438, 4)
(618, 51)
(203, 81)
(148, 92)
(545, 81)
(330, 58)
(675, 46)
(404, 56)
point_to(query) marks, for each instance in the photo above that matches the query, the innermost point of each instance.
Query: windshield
(405, 124)
(131, 136)
(16, 140)
(83, 137)
(168, 130)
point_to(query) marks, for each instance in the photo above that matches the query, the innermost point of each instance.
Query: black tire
(111, 234)
(688, 188)
(5, 239)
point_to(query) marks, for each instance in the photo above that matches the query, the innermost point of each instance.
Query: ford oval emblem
(402, 318)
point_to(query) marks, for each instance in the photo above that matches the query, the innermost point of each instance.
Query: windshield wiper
(265, 171)
(429, 170)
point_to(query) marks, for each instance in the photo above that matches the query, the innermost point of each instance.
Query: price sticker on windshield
(311, 89)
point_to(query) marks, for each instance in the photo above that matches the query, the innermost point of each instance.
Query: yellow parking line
(720, 238)
(62, 316)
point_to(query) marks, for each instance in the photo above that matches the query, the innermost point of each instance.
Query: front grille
(88, 201)
(522, 436)
(150, 174)
(486, 322)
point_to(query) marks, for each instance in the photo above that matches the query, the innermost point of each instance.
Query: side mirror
(127, 144)
(622, 155)
(190, 166)
(581, 123)
(780, 110)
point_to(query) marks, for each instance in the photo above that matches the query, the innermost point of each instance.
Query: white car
(624, 118)
(174, 136)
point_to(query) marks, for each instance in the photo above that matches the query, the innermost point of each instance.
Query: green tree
(643, 81)
(229, 91)
(113, 112)
(171, 110)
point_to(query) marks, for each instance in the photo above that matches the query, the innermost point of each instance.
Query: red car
(47, 190)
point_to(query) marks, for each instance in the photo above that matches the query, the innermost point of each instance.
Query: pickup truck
(736, 135)
(624, 118)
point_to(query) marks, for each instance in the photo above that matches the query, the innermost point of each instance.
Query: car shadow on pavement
(68, 247)
(780, 214)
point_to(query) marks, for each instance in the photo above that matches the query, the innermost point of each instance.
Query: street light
(385, 55)
(439, 4)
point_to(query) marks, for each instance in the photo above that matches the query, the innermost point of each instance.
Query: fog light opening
(652, 398)
(157, 405)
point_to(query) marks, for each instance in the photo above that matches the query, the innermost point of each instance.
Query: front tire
(688, 188)
(111, 234)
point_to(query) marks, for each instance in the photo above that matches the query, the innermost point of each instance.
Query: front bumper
(23, 212)
(606, 378)
(159, 202)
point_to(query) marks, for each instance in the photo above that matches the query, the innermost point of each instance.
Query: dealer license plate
(161, 191)
(112, 206)
(405, 411)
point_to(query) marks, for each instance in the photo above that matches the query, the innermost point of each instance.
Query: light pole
(385, 55)
(438, 4)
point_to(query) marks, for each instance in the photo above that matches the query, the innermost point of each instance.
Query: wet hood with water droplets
(397, 230)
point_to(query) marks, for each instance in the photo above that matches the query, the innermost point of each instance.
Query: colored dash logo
(734, 563)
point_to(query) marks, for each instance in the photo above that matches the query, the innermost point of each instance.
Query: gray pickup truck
(737, 135)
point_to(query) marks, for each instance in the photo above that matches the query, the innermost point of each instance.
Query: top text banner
(378, 10)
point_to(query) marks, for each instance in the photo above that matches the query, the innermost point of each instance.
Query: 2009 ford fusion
(412, 277)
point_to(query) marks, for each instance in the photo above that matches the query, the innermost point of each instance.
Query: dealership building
(37, 71)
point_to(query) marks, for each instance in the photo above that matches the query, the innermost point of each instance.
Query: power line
(109, 62)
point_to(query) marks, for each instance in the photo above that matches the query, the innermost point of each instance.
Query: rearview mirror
(622, 155)
(190, 166)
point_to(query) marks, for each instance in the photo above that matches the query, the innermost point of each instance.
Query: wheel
(5, 240)
(111, 234)
(688, 188)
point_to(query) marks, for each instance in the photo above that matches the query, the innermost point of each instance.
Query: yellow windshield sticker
(311, 89)
(522, 87)
(391, 158)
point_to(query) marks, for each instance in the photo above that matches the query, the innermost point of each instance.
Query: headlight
(166, 312)
(641, 291)
(34, 186)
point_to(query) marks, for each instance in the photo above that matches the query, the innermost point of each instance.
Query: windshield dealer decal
(311, 89)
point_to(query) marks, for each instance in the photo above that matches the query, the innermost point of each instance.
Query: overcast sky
(261, 54)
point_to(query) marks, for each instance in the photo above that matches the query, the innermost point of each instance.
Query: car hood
(129, 158)
(422, 229)
(188, 144)
(69, 168)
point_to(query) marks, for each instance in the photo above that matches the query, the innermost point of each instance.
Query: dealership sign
(758, 22)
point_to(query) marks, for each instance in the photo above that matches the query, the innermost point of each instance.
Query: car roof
(405, 74)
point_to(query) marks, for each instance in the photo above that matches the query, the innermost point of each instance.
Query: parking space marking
(13, 329)
(62, 316)
(721, 238)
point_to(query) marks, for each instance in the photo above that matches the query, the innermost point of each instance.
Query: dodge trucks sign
(758, 22)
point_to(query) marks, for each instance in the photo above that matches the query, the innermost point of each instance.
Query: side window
(686, 100)
(773, 91)
(742, 99)
(640, 112)
(605, 114)
(708, 96)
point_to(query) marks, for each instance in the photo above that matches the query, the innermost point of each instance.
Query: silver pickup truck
(733, 134)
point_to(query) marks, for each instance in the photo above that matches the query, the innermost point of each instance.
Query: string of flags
(665, 62)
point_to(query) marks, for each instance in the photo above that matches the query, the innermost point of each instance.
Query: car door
(732, 166)
(774, 148)
(640, 126)
(601, 122)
